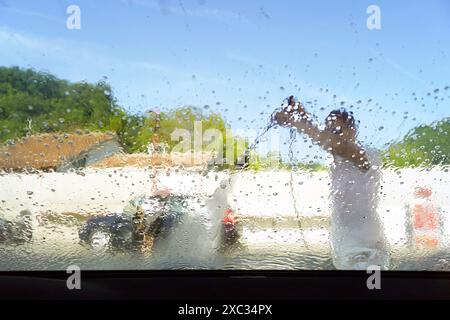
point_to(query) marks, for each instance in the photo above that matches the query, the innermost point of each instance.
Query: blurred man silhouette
(357, 236)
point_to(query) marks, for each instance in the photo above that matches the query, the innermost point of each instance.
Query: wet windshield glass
(198, 134)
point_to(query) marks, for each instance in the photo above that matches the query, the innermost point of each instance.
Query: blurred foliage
(425, 145)
(35, 102)
(274, 161)
(190, 128)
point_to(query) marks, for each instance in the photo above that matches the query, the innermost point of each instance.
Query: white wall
(266, 194)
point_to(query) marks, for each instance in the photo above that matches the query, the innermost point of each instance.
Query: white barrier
(263, 194)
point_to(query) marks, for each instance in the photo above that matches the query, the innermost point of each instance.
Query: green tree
(185, 118)
(426, 145)
(35, 102)
(41, 102)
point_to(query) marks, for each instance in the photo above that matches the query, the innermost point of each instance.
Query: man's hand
(293, 111)
(294, 116)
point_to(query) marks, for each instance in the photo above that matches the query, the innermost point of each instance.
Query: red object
(428, 242)
(229, 217)
(425, 219)
(423, 192)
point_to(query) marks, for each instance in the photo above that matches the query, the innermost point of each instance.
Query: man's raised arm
(295, 116)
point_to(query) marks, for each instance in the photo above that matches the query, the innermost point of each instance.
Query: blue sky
(243, 57)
